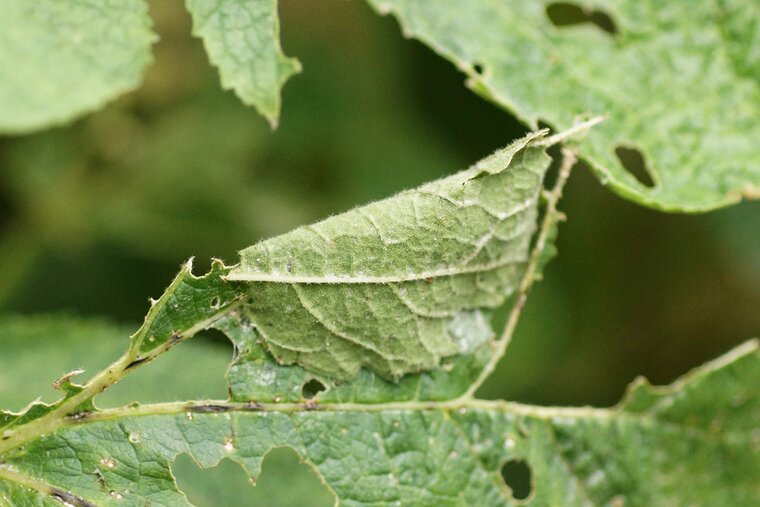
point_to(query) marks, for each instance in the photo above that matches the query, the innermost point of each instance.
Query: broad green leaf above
(242, 39)
(678, 81)
(60, 60)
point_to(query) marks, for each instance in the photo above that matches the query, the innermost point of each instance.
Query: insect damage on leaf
(678, 81)
(397, 285)
(458, 452)
(378, 442)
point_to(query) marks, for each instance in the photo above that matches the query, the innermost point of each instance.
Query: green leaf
(242, 38)
(679, 82)
(690, 443)
(496, 199)
(418, 438)
(70, 341)
(397, 285)
(60, 60)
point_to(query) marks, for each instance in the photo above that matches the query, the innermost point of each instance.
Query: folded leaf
(397, 285)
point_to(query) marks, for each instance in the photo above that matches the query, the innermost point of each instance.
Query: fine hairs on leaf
(359, 343)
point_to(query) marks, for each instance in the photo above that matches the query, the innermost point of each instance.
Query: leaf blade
(645, 451)
(397, 285)
(62, 61)
(645, 78)
(242, 39)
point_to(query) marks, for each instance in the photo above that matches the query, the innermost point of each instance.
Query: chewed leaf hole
(518, 478)
(284, 480)
(478, 68)
(634, 163)
(566, 14)
(312, 388)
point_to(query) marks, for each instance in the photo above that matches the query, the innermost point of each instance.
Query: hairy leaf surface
(242, 38)
(397, 285)
(690, 443)
(77, 343)
(59, 60)
(679, 82)
(377, 435)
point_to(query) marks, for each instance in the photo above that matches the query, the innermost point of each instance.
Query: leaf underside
(392, 423)
(397, 285)
(680, 82)
(60, 60)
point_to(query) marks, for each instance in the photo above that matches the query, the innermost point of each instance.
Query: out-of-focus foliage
(62, 60)
(59, 60)
(242, 38)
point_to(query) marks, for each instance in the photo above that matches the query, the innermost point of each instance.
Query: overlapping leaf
(399, 284)
(372, 437)
(679, 81)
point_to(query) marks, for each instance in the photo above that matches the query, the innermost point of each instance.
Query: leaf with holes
(59, 60)
(242, 38)
(680, 83)
(70, 341)
(375, 428)
(690, 443)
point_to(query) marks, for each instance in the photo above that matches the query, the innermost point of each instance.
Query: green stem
(551, 216)
(69, 408)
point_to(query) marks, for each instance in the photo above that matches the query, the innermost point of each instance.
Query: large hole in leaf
(517, 476)
(312, 388)
(284, 482)
(634, 163)
(197, 371)
(567, 14)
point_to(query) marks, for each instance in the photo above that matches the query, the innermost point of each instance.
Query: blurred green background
(97, 216)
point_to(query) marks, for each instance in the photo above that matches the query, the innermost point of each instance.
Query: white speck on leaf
(108, 462)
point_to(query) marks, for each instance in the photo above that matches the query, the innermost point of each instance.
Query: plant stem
(551, 216)
(126, 364)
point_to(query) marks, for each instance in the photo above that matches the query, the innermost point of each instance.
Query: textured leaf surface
(680, 82)
(399, 284)
(242, 38)
(374, 438)
(77, 343)
(59, 60)
(690, 443)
